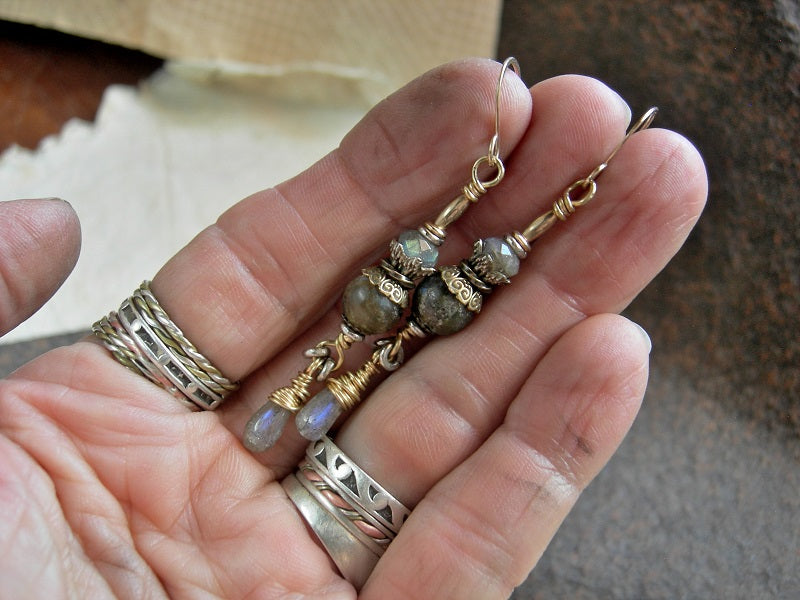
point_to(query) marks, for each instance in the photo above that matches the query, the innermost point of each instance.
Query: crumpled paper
(159, 164)
(256, 92)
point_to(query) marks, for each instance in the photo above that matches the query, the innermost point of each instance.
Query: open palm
(109, 487)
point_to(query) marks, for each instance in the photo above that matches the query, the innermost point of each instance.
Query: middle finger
(439, 407)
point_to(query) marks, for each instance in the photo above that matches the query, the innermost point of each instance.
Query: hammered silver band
(353, 516)
(142, 337)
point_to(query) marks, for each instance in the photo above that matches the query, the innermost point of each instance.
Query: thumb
(39, 244)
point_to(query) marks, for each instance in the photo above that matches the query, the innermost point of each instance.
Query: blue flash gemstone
(318, 415)
(265, 427)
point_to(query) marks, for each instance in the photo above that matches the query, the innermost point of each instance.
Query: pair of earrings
(444, 301)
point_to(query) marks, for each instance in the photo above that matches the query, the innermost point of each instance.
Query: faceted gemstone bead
(504, 260)
(318, 415)
(415, 245)
(367, 310)
(265, 427)
(437, 310)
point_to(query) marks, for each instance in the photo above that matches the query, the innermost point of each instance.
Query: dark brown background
(702, 501)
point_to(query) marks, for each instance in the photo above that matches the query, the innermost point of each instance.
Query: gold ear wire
(509, 63)
(566, 203)
(643, 123)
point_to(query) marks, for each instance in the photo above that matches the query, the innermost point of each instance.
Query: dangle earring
(375, 301)
(447, 300)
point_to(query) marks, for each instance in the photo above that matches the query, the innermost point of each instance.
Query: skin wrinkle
(25, 512)
(461, 394)
(281, 308)
(518, 326)
(579, 232)
(116, 567)
(462, 522)
(539, 493)
(389, 216)
(82, 453)
(38, 227)
(581, 415)
(668, 163)
(206, 554)
(66, 554)
(77, 521)
(418, 444)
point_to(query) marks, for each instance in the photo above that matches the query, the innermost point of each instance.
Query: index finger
(250, 282)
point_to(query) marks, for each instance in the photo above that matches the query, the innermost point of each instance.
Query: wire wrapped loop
(566, 205)
(478, 187)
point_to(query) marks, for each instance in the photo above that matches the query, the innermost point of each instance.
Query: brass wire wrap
(340, 345)
(347, 388)
(293, 396)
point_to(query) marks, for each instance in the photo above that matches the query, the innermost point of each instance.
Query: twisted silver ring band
(142, 337)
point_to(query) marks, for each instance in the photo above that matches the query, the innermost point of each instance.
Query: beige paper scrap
(262, 89)
(393, 40)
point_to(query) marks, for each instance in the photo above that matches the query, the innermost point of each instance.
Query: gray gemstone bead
(504, 259)
(415, 245)
(318, 415)
(367, 310)
(437, 310)
(265, 427)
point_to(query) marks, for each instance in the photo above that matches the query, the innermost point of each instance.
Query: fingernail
(626, 107)
(55, 199)
(646, 337)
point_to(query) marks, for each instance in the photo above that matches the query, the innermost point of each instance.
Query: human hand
(110, 487)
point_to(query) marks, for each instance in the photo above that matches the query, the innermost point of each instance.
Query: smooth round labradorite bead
(504, 260)
(318, 415)
(367, 310)
(437, 310)
(415, 245)
(265, 427)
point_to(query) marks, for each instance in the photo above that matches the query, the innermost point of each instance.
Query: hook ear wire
(509, 63)
(566, 204)
(641, 124)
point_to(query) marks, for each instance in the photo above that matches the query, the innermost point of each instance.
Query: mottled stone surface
(702, 500)
(436, 309)
(367, 310)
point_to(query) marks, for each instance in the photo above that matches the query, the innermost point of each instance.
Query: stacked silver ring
(354, 517)
(142, 337)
